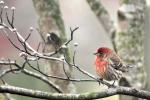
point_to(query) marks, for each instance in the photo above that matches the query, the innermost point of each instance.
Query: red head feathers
(104, 50)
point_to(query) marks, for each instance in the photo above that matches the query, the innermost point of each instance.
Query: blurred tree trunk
(129, 42)
(50, 20)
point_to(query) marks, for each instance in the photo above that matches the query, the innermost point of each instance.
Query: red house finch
(109, 65)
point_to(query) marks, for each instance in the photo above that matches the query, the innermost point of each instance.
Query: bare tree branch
(84, 96)
(30, 73)
(94, 79)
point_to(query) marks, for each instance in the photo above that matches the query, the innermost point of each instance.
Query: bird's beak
(95, 53)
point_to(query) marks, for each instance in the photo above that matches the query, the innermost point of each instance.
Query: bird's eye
(100, 54)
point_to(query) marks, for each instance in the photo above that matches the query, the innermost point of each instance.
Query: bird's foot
(112, 85)
(99, 80)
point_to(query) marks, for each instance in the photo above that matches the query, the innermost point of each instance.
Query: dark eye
(100, 54)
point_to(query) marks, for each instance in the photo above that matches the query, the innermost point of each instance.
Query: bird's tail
(125, 68)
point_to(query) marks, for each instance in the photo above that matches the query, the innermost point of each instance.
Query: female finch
(109, 65)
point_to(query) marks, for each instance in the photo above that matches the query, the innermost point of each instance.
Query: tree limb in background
(102, 15)
(52, 29)
(104, 18)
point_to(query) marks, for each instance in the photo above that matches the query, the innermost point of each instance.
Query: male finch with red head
(109, 65)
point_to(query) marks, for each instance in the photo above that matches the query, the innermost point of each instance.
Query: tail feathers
(129, 66)
(125, 68)
(124, 82)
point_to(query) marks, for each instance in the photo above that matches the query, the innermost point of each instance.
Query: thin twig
(1, 14)
(71, 38)
(6, 71)
(12, 41)
(28, 37)
(38, 47)
(8, 20)
(41, 35)
(65, 71)
(13, 17)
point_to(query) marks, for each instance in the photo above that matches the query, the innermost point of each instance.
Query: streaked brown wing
(115, 61)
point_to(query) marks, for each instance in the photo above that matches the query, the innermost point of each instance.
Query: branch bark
(84, 96)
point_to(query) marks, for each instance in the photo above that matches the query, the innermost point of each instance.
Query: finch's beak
(95, 53)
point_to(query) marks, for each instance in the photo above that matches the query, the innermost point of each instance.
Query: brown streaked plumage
(108, 64)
